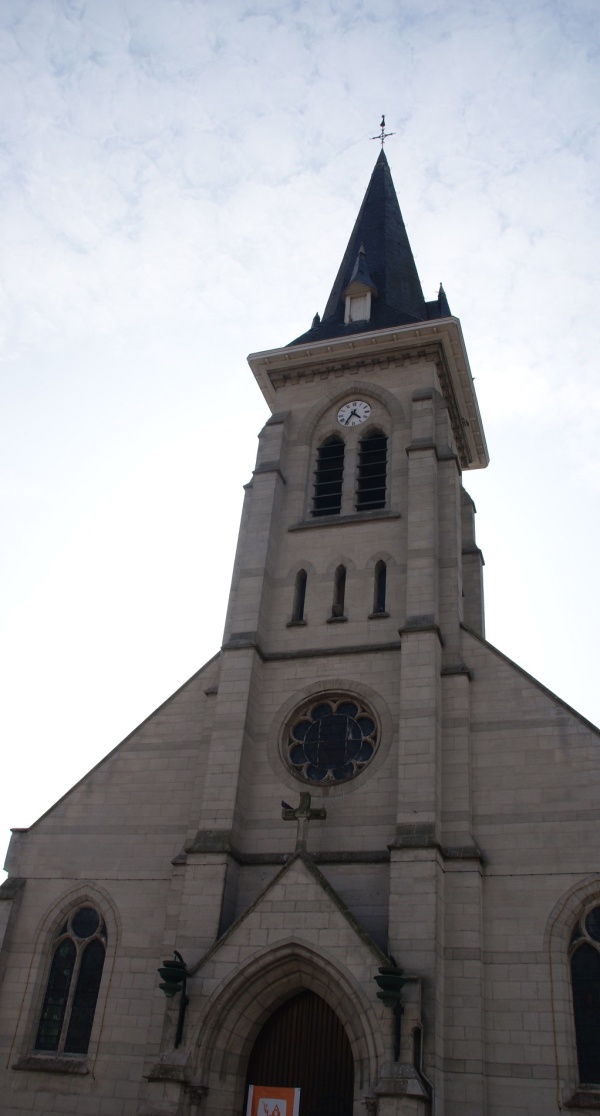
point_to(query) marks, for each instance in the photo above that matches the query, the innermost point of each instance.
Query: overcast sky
(179, 181)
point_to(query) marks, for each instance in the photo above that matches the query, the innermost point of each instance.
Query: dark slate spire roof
(378, 255)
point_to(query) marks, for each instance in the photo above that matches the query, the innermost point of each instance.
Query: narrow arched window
(585, 980)
(329, 474)
(379, 587)
(339, 591)
(372, 472)
(299, 597)
(73, 984)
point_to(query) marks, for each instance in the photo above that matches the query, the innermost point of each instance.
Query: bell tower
(341, 672)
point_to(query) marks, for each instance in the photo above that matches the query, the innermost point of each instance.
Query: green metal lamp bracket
(174, 979)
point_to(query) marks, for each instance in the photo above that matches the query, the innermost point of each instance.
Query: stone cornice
(247, 641)
(336, 520)
(422, 835)
(212, 841)
(440, 341)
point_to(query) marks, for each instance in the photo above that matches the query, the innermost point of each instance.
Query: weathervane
(383, 135)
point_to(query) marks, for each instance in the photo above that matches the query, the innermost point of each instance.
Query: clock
(352, 414)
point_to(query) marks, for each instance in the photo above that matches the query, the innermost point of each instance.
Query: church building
(361, 844)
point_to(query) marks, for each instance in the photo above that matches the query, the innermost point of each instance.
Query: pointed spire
(379, 257)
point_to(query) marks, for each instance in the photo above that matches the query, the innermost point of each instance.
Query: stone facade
(465, 850)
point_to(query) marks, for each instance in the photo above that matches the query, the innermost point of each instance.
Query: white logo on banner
(274, 1107)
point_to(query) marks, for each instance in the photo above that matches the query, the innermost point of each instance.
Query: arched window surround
(584, 956)
(320, 423)
(350, 471)
(32, 1002)
(570, 908)
(237, 1012)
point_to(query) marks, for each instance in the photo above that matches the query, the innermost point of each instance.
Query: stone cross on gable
(302, 814)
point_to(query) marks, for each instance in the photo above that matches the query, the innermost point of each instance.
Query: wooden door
(304, 1044)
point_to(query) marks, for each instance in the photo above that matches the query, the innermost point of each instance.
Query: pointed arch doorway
(304, 1044)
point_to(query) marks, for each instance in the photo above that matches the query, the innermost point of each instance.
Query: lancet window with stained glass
(67, 1014)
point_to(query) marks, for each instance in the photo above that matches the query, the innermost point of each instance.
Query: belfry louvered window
(372, 472)
(328, 478)
(67, 1015)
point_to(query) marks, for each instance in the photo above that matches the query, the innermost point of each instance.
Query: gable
(298, 904)
(140, 792)
(536, 767)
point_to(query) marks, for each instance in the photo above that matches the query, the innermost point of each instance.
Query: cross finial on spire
(383, 135)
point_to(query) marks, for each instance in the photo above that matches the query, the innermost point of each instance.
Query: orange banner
(272, 1100)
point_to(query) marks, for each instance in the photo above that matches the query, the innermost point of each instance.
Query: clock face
(352, 414)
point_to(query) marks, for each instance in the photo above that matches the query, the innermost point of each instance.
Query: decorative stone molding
(400, 1079)
(423, 623)
(372, 1105)
(352, 517)
(232, 1018)
(53, 1063)
(584, 1098)
(415, 835)
(269, 467)
(197, 1092)
(421, 835)
(11, 888)
(209, 841)
(173, 1065)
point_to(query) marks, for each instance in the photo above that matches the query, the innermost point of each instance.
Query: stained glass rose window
(330, 739)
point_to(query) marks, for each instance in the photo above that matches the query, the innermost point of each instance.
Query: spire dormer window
(359, 292)
(358, 308)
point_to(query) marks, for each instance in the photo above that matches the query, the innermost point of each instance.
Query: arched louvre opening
(372, 472)
(329, 475)
(304, 1045)
(585, 976)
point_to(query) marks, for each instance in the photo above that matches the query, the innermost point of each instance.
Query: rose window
(330, 740)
